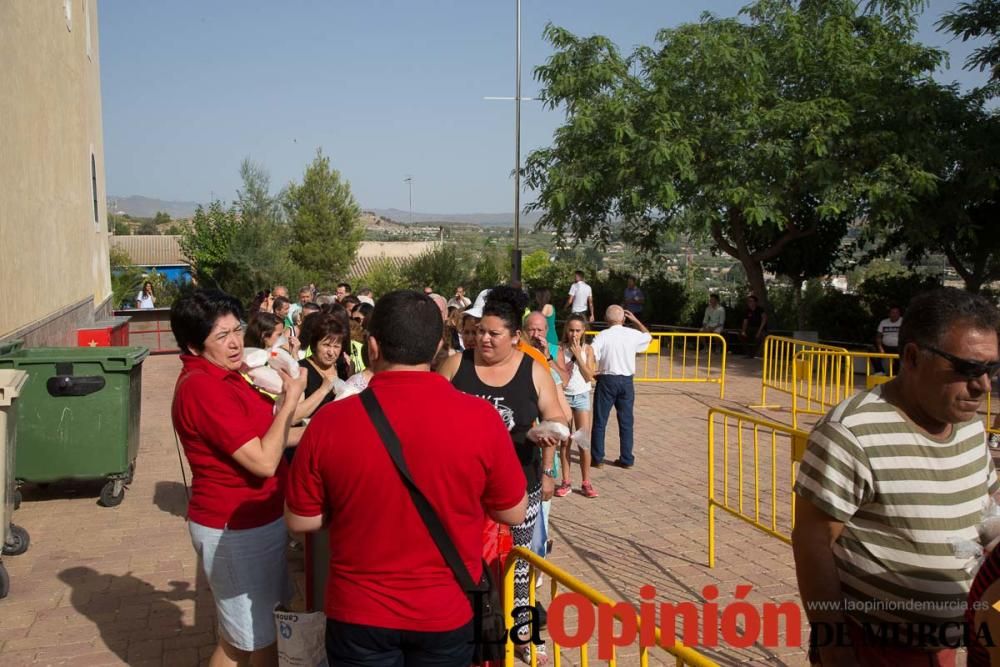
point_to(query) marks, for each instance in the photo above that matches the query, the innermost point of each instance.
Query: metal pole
(516, 272)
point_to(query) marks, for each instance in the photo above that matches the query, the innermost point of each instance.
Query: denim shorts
(247, 573)
(579, 401)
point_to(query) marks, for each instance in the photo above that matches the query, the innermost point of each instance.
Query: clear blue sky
(386, 87)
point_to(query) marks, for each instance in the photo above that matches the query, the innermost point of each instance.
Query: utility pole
(516, 258)
(409, 182)
(515, 274)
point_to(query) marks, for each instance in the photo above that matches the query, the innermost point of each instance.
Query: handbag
(489, 626)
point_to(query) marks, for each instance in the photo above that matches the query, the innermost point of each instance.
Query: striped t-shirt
(902, 497)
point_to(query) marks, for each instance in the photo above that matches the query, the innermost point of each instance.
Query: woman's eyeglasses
(967, 368)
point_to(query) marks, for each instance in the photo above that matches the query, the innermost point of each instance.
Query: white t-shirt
(581, 292)
(144, 301)
(615, 349)
(577, 384)
(890, 331)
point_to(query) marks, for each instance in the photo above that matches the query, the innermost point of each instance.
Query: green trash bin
(78, 417)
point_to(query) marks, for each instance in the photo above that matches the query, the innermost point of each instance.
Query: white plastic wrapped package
(254, 357)
(342, 390)
(548, 429)
(280, 358)
(266, 378)
(581, 438)
(974, 552)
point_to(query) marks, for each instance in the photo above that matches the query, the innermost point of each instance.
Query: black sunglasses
(967, 368)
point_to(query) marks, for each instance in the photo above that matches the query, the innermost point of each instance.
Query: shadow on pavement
(138, 622)
(171, 497)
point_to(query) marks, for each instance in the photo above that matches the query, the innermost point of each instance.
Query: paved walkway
(120, 586)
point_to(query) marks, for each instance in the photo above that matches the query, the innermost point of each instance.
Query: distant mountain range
(146, 207)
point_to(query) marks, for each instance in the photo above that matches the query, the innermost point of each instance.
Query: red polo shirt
(385, 570)
(215, 412)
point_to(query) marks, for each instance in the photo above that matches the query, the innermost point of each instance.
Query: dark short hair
(317, 326)
(930, 315)
(366, 310)
(714, 296)
(193, 316)
(260, 327)
(279, 303)
(507, 303)
(579, 272)
(346, 286)
(311, 306)
(407, 326)
(350, 298)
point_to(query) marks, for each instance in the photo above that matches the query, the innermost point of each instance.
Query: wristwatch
(549, 472)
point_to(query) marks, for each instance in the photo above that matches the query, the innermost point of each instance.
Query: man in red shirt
(391, 598)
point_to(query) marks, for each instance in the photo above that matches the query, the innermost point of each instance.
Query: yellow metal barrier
(990, 417)
(820, 380)
(874, 375)
(694, 357)
(779, 362)
(752, 435)
(683, 655)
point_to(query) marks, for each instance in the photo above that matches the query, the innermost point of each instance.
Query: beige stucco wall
(53, 255)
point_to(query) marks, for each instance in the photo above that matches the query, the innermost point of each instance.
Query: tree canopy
(755, 132)
(325, 222)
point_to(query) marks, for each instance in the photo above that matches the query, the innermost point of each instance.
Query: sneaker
(563, 490)
(994, 440)
(588, 491)
(621, 464)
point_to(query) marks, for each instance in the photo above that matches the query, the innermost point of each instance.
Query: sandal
(523, 653)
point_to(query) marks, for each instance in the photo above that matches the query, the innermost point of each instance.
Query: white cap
(477, 308)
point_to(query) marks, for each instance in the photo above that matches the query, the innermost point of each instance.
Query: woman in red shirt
(233, 438)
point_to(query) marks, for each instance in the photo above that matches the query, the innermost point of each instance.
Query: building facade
(54, 272)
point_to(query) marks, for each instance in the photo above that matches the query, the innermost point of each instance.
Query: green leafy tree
(161, 218)
(978, 19)
(243, 248)
(958, 218)
(384, 277)
(325, 222)
(442, 268)
(781, 120)
(207, 244)
(126, 278)
(148, 228)
(492, 267)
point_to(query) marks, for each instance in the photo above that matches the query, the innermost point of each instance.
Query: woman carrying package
(522, 391)
(233, 440)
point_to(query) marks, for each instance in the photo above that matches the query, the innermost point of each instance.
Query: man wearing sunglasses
(889, 478)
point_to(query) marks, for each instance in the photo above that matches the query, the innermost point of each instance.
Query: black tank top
(517, 403)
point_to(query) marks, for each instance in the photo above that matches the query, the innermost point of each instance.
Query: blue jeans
(616, 390)
(353, 645)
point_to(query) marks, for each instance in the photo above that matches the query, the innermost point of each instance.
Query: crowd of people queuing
(497, 366)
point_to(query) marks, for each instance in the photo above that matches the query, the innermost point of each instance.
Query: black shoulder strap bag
(490, 631)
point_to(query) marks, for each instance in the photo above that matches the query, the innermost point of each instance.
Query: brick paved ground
(111, 586)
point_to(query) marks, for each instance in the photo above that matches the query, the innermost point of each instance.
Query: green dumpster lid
(11, 384)
(8, 346)
(111, 358)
